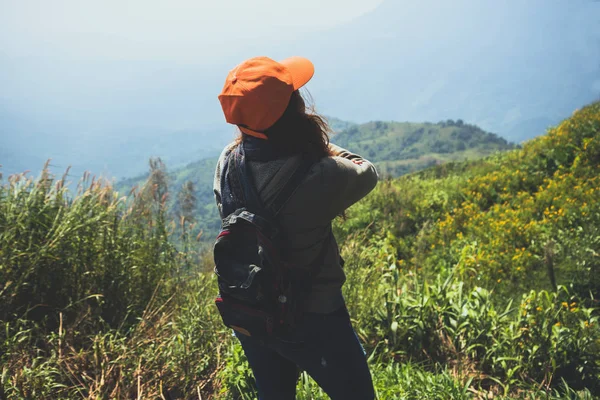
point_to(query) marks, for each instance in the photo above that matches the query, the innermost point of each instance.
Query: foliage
(465, 281)
(525, 219)
(62, 254)
(201, 174)
(172, 350)
(542, 337)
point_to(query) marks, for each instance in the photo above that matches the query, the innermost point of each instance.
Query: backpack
(260, 293)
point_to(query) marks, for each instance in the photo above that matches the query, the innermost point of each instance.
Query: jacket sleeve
(347, 178)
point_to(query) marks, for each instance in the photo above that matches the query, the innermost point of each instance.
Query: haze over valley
(106, 98)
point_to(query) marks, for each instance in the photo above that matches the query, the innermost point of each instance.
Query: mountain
(337, 125)
(398, 148)
(511, 67)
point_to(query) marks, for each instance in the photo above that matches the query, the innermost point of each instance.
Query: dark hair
(299, 131)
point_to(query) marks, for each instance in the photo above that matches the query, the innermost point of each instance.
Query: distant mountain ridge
(512, 67)
(337, 125)
(398, 148)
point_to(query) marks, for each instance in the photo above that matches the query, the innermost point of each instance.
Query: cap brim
(302, 70)
(250, 132)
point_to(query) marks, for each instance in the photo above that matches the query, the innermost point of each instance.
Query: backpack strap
(243, 214)
(251, 198)
(237, 182)
(232, 193)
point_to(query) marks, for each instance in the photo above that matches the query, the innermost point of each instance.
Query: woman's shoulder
(331, 167)
(226, 150)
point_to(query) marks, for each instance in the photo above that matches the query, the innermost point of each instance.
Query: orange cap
(257, 92)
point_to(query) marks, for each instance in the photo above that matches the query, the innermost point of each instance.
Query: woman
(261, 97)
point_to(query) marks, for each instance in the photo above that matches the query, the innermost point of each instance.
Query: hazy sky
(86, 82)
(155, 29)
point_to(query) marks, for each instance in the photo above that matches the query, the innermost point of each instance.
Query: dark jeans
(325, 346)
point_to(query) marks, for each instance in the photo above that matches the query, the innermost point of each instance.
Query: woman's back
(331, 185)
(261, 97)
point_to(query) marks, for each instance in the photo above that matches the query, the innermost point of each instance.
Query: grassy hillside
(399, 148)
(468, 280)
(509, 219)
(522, 228)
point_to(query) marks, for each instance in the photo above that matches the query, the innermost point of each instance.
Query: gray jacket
(332, 185)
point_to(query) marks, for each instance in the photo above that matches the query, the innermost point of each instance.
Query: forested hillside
(337, 125)
(402, 147)
(467, 280)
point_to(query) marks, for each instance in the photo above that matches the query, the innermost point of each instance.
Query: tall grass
(86, 253)
(93, 302)
(162, 338)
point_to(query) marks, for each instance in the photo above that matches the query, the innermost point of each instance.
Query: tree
(186, 205)
(158, 179)
(185, 209)
(150, 201)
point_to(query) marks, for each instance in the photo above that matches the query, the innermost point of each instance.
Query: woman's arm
(347, 178)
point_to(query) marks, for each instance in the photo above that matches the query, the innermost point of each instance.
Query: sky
(184, 30)
(86, 82)
(79, 78)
